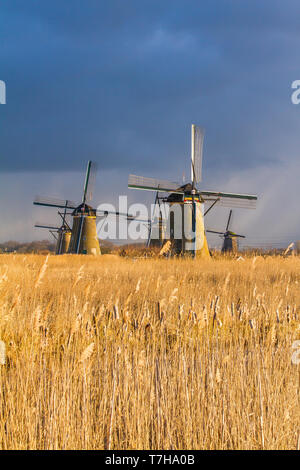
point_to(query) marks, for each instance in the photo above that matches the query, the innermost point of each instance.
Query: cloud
(121, 84)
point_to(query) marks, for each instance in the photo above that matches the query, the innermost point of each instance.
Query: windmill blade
(101, 216)
(238, 204)
(103, 213)
(89, 182)
(136, 219)
(214, 231)
(53, 233)
(229, 220)
(64, 218)
(234, 235)
(244, 201)
(53, 202)
(196, 153)
(153, 184)
(48, 226)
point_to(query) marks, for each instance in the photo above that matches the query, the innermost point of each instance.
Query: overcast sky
(120, 82)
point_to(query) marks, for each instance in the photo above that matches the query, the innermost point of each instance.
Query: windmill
(186, 202)
(61, 234)
(230, 243)
(83, 237)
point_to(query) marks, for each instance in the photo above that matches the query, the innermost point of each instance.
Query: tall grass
(114, 353)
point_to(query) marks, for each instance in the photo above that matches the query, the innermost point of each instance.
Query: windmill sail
(196, 153)
(64, 218)
(229, 220)
(48, 226)
(53, 202)
(153, 184)
(214, 231)
(227, 233)
(104, 213)
(244, 201)
(89, 183)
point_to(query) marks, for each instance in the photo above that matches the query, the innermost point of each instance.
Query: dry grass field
(117, 353)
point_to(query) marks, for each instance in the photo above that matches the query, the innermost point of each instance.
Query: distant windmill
(83, 237)
(230, 243)
(191, 201)
(61, 234)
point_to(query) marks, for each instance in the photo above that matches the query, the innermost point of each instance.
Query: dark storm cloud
(120, 82)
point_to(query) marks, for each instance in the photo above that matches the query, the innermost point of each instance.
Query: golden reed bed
(113, 353)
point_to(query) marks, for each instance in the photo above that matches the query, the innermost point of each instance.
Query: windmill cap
(84, 209)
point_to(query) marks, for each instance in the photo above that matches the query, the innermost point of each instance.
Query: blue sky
(120, 82)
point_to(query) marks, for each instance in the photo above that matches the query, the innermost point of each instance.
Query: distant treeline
(29, 247)
(42, 246)
(129, 249)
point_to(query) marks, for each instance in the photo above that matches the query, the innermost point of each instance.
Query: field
(119, 353)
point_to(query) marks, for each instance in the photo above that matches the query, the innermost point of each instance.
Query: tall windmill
(186, 219)
(230, 242)
(83, 238)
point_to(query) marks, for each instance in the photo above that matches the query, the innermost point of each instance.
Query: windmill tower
(230, 242)
(186, 202)
(63, 242)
